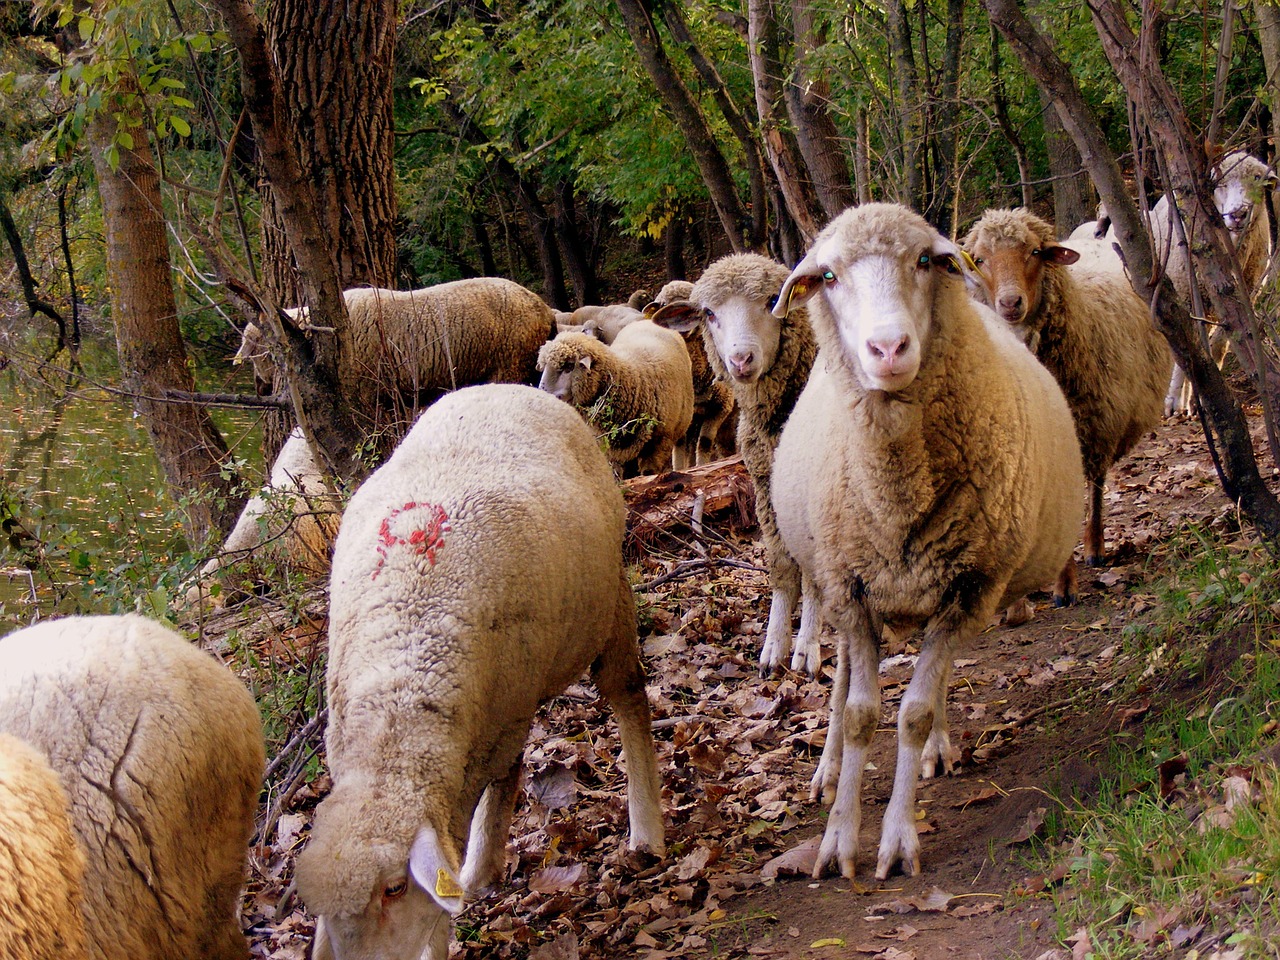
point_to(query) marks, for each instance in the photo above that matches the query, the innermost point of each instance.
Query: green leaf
(86, 26)
(180, 126)
(124, 139)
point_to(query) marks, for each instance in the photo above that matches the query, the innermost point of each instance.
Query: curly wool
(160, 750)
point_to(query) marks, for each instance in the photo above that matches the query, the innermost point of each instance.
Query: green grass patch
(1179, 854)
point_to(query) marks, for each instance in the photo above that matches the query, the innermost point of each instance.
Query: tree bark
(910, 116)
(637, 16)
(794, 180)
(35, 304)
(311, 364)
(938, 210)
(1072, 194)
(1000, 107)
(153, 359)
(807, 96)
(586, 287)
(1220, 414)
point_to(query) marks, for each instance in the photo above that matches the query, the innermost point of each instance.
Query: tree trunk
(323, 410)
(1072, 193)
(938, 210)
(862, 157)
(586, 287)
(153, 359)
(910, 112)
(1000, 107)
(334, 66)
(1221, 416)
(807, 96)
(637, 15)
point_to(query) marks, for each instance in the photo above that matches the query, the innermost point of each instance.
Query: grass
(1179, 855)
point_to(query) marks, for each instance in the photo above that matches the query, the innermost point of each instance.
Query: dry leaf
(901, 934)
(555, 879)
(1031, 827)
(933, 900)
(563, 947)
(798, 861)
(827, 942)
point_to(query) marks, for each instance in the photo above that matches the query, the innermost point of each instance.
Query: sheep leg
(807, 654)
(1093, 525)
(860, 710)
(1064, 588)
(918, 723)
(826, 778)
(619, 676)
(937, 749)
(487, 841)
(1173, 400)
(784, 574)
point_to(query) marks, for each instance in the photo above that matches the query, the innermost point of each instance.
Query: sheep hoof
(1066, 600)
(1095, 561)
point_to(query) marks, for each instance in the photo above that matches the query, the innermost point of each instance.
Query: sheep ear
(585, 361)
(678, 315)
(432, 867)
(1054, 255)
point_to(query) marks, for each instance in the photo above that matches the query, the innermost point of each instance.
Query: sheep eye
(978, 261)
(709, 315)
(924, 261)
(395, 890)
(773, 302)
(1036, 252)
(828, 276)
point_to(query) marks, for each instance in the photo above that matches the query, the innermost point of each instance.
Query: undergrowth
(1179, 855)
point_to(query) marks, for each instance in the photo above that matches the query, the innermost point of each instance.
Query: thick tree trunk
(323, 410)
(794, 180)
(637, 16)
(586, 287)
(153, 359)
(1220, 414)
(807, 96)
(1072, 193)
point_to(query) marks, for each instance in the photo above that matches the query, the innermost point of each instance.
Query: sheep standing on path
(1093, 333)
(766, 360)
(159, 748)
(638, 393)
(928, 475)
(459, 604)
(40, 865)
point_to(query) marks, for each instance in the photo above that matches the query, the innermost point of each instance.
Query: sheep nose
(1010, 303)
(889, 348)
(740, 363)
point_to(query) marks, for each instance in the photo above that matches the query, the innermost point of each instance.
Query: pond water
(88, 525)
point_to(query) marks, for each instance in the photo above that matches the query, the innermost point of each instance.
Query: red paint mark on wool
(425, 538)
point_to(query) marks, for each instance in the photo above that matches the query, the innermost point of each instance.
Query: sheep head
(1011, 250)
(733, 302)
(874, 274)
(568, 364)
(1241, 181)
(376, 897)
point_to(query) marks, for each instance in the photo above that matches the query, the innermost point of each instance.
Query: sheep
(296, 514)
(443, 641)
(1092, 229)
(637, 392)
(711, 433)
(41, 867)
(414, 345)
(766, 362)
(1241, 181)
(159, 748)
(1093, 333)
(928, 475)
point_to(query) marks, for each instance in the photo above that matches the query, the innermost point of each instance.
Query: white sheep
(414, 345)
(1240, 184)
(928, 475)
(459, 605)
(638, 392)
(293, 519)
(40, 864)
(159, 748)
(1093, 333)
(712, 432)
(767, 362)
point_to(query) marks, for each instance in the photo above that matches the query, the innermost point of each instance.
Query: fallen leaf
(1031, 827)
(555, 879)
(901, 934)
(982, 796)
(563, 947)
(693, 865)
(1081, 945)
(555, 787)
(798, 861)
(826, 942)
(933, 900)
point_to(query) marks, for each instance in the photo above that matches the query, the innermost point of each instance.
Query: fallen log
(680, 503)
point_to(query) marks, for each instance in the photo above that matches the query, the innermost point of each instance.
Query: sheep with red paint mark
(457, 607)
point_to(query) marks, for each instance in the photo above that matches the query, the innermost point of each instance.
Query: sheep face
(1011, 250)
(1242, 180)
(876, 282)
(376, 897)
(567, 365)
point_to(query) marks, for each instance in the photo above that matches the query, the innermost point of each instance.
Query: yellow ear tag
(798, 289)
(446, 886)
(969, 261)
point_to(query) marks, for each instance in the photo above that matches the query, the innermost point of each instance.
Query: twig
(666, 722)
(687, 568)
(303, 733)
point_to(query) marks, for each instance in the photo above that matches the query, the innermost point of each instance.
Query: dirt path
(1030, 709)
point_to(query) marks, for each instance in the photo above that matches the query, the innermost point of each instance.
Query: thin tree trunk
(1221, 416)
(862, 157)
(794, 180)
(1000, 107)
(808, 96)
(35, 304)
(153, 359)
(73, 293)
(586, 288)
(910, 113)
(938, 211)
(637, 16)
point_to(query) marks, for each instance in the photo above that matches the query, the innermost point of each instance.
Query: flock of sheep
(921, 420)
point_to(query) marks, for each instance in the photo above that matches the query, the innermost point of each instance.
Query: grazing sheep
(1093, 333)
(928, 475)
(605, 323)
(711, 434)
(459, 605)
(295, 516)
(638, 392)
(414, 345)
(1241, 181)
(40, 865)
(159, 748)
(767, 362)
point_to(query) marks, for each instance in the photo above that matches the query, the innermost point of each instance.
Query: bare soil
(1033, 709)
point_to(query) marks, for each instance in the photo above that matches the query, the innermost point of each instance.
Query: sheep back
(40, 864)
(159, 748)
